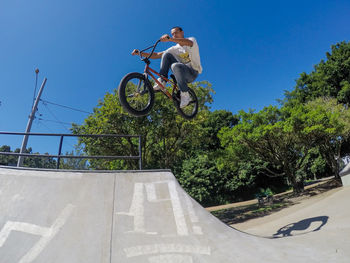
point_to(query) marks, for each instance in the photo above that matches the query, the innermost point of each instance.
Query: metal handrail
(62, 135)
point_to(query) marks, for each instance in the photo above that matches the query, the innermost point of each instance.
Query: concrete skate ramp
(128, 217)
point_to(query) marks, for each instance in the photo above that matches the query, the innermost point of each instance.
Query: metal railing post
(59, 153)
(140, 153)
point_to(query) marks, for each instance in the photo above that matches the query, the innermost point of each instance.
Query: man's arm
(180, 41)
(155, 55)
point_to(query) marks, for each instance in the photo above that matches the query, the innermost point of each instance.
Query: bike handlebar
(154, 47)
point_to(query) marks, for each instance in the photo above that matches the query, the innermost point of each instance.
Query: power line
(65, 123)
(48, 128)
(54, 116)
(63, 106)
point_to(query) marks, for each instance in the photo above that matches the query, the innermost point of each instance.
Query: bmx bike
(136, 93)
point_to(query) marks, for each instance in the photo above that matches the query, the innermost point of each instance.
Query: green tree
(167, 138)
(7, 160)
(34, 162)
(315, 166)
(38, 162)
(282, 138)
(327, 124)
(75, 163)
(201, 179)
(212, 124)
(330, 78)
(270, 140)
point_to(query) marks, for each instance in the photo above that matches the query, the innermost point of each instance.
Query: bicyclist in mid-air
(183, 59)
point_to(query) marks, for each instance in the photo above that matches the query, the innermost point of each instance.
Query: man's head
(177, 32)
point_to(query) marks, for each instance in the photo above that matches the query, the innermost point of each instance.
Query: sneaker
(185, 99)
(156, 87)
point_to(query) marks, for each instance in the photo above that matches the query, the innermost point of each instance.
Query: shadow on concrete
(303, 225)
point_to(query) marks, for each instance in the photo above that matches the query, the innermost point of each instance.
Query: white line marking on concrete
(170, 258)
(151, 192)
(47, 233)
(194, 218)
(179, 216)
(137, 206)
(21, 227)
(165, 249)
(136, 209)
(197, 230)
(180, 220)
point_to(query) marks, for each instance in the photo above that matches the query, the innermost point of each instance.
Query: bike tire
(191, 110)
(136, 94)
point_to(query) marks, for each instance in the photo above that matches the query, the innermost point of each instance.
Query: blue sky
(251, 51)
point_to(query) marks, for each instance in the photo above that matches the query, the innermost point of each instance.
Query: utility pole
(30, 121)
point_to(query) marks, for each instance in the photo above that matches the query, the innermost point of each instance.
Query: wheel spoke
(138, 86)
(137, 94)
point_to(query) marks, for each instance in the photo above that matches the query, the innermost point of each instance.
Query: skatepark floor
(245, 214)
(300, 215)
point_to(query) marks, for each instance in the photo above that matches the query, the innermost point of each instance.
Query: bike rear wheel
(189, 111)
(136, 94)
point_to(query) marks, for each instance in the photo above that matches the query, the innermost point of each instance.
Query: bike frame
(148, 72)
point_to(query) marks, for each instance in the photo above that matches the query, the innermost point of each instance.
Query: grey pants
(184, 74)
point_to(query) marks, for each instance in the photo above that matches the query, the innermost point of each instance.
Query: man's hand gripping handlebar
(164, 38)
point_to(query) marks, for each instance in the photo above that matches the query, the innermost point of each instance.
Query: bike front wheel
(136, 94)
(189, 111)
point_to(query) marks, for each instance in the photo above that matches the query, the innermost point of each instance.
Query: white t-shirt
(187, 55)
